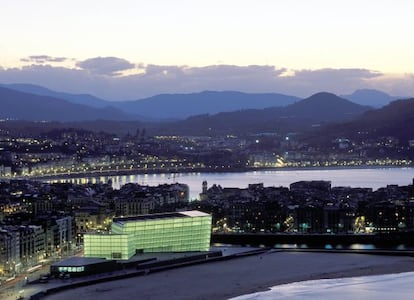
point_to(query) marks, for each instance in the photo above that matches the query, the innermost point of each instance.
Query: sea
(378, 287)
(355, 177)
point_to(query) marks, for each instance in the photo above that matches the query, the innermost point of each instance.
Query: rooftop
(194, 213)
(184, 214)
(79, 261)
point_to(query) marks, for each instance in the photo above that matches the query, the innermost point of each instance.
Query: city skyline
(248, 145)
(135, 49)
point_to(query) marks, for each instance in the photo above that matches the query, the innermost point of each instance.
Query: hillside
(318, 109)
(175, 106)
(84, 99)
(17, 128)
(395, 119)
(181, 106)
(25, 106)
(325, 107)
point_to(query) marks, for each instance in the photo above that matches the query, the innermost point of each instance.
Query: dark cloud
(41, 59)
(105, 65)
(157, 79)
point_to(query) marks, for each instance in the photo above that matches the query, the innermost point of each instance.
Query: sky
(130, 49)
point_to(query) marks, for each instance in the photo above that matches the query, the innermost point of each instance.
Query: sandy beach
(226, 279)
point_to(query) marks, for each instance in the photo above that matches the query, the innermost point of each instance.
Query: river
(364, 177)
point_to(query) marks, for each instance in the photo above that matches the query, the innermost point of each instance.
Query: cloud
(255, 78)
(111, 66)
(400, 86)
(339, 81)
(185, 79)
(41, 59)
(236, 71)
(348, 74)
(104, 77)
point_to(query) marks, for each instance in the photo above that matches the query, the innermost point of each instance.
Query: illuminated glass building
(167, 232)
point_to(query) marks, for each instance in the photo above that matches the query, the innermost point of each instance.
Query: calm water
(373, 178)
(380, 287)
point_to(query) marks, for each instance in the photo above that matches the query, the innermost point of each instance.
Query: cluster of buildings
(39, 220)
(143, 242)
(70, 151)
(26, 242)
(309, 207)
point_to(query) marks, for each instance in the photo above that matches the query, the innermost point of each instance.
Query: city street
(17, 287)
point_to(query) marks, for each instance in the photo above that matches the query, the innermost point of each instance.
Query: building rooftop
(194, 213)
(78, 261)
(184, 214)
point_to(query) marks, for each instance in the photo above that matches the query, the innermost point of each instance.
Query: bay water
(354, 177)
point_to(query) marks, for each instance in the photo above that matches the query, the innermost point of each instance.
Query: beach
(241, 276)
(378, 287)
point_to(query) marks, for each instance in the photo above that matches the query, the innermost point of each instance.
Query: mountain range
(25, 106)
(181, 106)
(175, 106)
(212, 112)
(395, 119)
(323, 116)
(83, 99)
(319, 109)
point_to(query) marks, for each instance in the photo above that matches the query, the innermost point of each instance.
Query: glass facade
(71, 269)
(109, 246)
(174, 232)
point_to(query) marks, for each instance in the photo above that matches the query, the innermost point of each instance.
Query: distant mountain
(316, 110)
(328, 115)
(174, 106)
(25, 106)
(369, 97)
(325, 107)
(181, 106)
(84, 99)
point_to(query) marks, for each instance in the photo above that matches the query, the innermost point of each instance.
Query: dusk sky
(129, 49)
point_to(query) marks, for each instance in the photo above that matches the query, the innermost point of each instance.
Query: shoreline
(379, 286)
(114, 173)
(242, 276)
